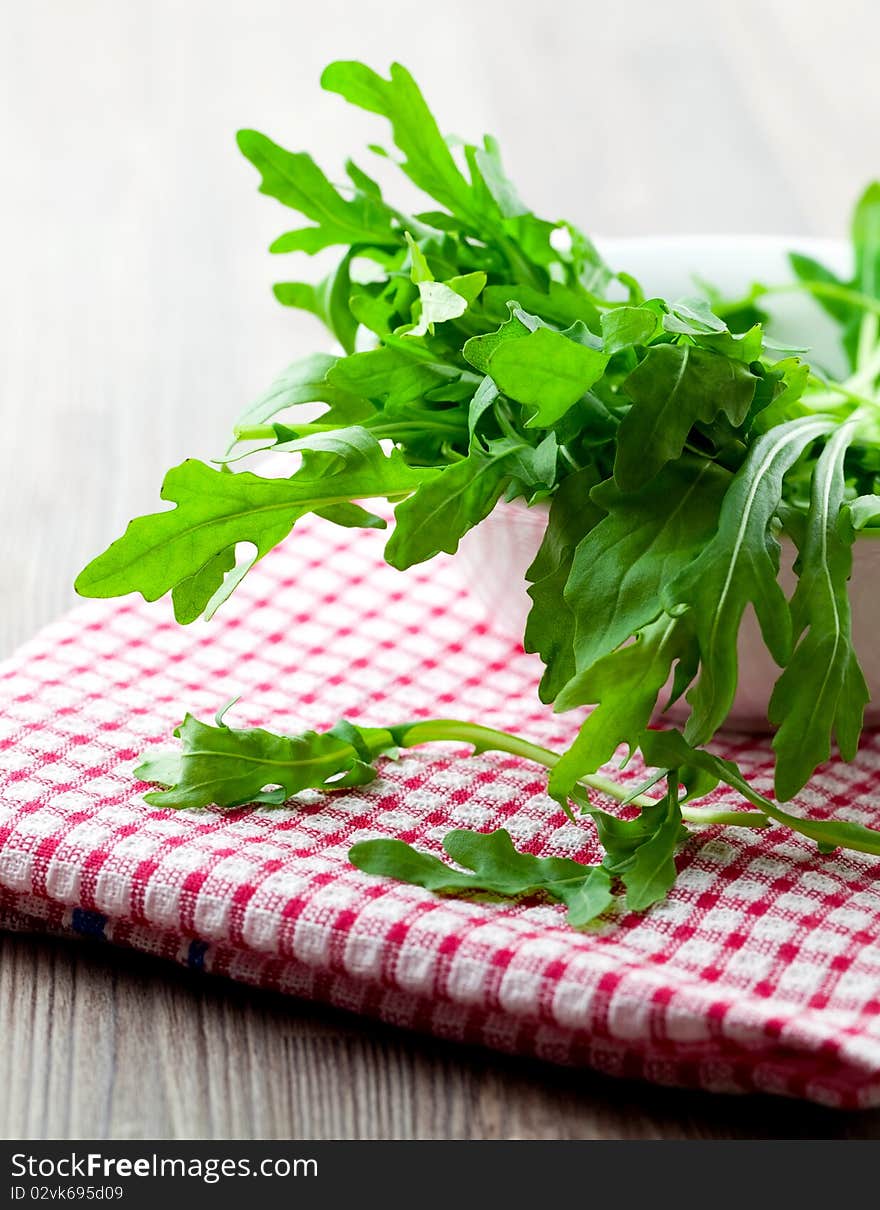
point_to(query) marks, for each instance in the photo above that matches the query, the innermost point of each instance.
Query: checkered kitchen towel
(762, 971)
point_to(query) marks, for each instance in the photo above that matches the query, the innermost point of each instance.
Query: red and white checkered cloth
(761, 971)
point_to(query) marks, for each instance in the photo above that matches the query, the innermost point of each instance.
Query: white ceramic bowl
(493, 558)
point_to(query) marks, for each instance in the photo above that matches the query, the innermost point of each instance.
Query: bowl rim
(731, 240)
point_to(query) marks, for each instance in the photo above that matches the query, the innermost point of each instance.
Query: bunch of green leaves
(488, 354)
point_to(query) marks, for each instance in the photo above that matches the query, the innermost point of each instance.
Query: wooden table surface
(136, 319)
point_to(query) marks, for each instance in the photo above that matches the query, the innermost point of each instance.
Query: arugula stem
(820, 289)
(266, 432)
(487, 739)
(736, 819)
(867, 343)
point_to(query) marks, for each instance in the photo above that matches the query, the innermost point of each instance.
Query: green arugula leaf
(650, 873)
(295, 180)
(672, 388)
(557, 303)
(551, 621)
(545, 371)
(481, 403)
(488, 162)
(692, 317)
(809, 270)
(438, 515)
(866, 240)
(737, 567)
(626, 326)
(440, 301)
(670, 750)
(480, 349)
(387, 376)
(822, 690)
(626, 685)
(864, 512)
(305, 381)
(190, 595)
(428, 163)
(496, 867)
(622, 565)
(229, 767)
(328, 301)
(216, 509)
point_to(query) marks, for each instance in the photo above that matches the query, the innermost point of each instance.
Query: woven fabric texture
(760, 972)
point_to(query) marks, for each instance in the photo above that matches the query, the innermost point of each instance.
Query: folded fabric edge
(724, 1068)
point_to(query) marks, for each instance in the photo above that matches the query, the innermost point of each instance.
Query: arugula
(620, 568)
(228, 767)
(488, 354)
(671, 389)
(739, 566)
(822, 689)
(216, 510)
(496, 867)
(547, 372)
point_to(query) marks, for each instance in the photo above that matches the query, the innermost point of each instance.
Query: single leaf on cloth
(295, 179)
(620, 567)
(626, 685)
(496, 867)
(227, 767)
(822, 690)
(551, 621)
(216, 509)
(305, 381)
(547, 372)
(672, 388)
(738, 566)
(621, 838)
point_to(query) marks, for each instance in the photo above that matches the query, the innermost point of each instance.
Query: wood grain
(136, 319)
(114, 1045)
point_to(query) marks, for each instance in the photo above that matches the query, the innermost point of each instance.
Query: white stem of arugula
(867, 345)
